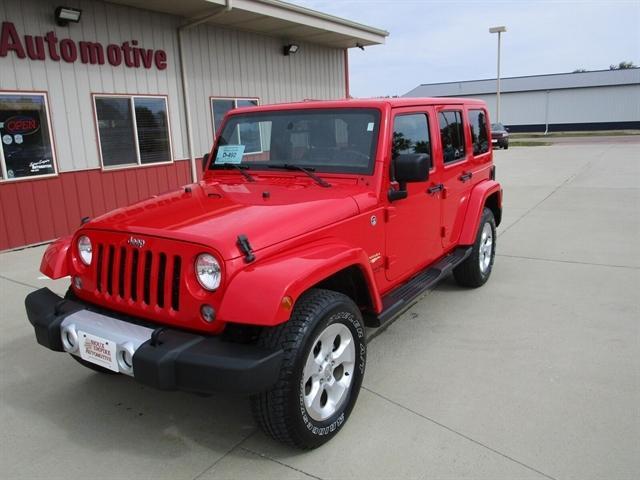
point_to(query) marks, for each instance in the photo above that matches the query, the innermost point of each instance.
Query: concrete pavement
(535, 375)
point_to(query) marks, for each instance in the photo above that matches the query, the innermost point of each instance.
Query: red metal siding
(33, 211)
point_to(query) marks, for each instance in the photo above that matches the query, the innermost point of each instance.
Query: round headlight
(208, 271)
(84, 249)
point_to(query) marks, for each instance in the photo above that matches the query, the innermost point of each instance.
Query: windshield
(323, 140)
(497, 126)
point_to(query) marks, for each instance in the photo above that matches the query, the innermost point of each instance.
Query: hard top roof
(365, 103)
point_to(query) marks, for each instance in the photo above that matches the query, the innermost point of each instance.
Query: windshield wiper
(240, 168)
(306, 170)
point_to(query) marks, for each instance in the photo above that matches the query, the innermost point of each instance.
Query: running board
(402, 297)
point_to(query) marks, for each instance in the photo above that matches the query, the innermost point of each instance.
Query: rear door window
(451, 136)
(479, 133)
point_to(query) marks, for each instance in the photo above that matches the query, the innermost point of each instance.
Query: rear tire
(321, 374)
(476, 269)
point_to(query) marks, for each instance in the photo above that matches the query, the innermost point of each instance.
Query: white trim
(171, 155)
(131, 98)
(54, 159)
(309, 25)
(350, 31)
(127, 166)
(3, 167)
(134, 120)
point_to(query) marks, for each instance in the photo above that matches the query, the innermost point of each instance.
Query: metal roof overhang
(274, 18)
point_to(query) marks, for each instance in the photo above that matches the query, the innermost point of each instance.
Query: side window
(25, 136)
(411, 135)
(451, 136)
(479, 136)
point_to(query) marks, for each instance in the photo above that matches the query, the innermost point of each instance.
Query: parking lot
(534, 375)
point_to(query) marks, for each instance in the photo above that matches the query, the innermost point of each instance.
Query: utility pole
(499, 30)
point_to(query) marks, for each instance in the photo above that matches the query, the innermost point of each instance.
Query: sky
(443, 41)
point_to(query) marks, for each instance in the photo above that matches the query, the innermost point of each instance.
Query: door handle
(433, 189)
(465, 177)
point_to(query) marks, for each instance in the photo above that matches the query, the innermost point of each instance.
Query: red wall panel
(12, 215)
(33, 211)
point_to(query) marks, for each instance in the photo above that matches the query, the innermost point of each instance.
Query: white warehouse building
(598, 100)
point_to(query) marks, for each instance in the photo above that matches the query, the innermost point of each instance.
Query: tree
(579, 70)
(622, 66)
(400, 143)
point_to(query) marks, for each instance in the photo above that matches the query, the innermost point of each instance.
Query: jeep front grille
(139, 276)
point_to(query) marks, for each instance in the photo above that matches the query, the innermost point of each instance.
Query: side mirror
(205, 160)
(410, 167)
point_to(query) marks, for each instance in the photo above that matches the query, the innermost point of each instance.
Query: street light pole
(499, 31)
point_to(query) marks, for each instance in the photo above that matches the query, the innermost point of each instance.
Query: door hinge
(389, 260)
(389, 213)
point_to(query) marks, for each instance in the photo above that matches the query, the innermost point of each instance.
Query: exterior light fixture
(360, 46)
(64, 15)
(290, 49)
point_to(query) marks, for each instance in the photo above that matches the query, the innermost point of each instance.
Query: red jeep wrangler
(312, 221)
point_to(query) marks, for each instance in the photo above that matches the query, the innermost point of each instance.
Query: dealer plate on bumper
(98, 350)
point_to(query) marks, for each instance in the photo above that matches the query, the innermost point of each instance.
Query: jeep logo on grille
(136, 242)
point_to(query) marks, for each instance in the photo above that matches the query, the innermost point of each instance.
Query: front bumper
(163, 358)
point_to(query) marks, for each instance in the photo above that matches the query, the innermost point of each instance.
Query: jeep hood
(215, 213)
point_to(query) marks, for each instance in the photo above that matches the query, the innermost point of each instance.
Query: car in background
(499, 135)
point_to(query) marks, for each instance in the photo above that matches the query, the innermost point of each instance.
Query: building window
(26, 146)
(411, 135)
(451, 136)
(132, 130)
(249, 134)
(479, 135)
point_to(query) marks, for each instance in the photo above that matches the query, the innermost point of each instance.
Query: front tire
(321, 374)
(476, 269)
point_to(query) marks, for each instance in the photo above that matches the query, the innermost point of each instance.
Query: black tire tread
(468, 273)
(269, 408)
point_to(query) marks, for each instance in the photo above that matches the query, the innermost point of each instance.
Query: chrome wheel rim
(328, 372)
(486, 247)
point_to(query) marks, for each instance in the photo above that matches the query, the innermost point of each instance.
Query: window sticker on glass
(229, 154)
(370, 127)
(25, 141)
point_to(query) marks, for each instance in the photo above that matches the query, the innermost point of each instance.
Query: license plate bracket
(98, 350)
